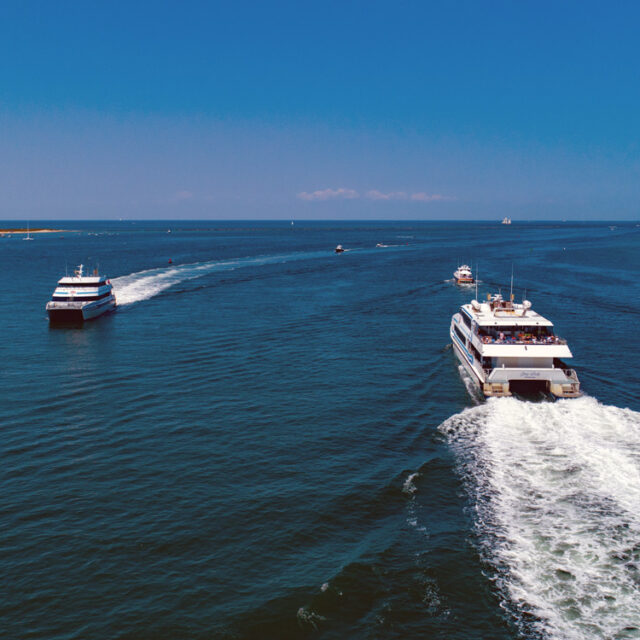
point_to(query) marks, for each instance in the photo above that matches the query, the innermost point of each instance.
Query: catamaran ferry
(80, 298)
(507, 347)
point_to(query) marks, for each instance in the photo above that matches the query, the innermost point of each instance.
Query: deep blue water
(268, 440)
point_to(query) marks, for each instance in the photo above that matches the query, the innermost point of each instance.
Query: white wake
(143, 285)
(556, 492)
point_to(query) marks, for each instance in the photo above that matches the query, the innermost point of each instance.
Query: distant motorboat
(463, 275)
(339, 249)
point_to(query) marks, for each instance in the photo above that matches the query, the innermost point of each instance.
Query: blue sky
(342, 110)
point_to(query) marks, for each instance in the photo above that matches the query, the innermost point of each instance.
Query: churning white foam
(472, 388)
(556, 492)
(143, 285)
(409, 487)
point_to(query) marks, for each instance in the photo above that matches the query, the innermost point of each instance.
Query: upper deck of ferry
(83, 281)
(80, 280)
(497, 322)
(498, 312)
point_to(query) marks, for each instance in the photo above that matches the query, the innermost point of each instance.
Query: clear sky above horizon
(373, 110)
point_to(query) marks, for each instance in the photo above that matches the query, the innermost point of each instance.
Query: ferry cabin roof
(486, 317)
(86, 281)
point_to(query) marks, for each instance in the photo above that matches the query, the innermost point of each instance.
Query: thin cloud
(374, 194)
(329, 194)
(421, 196)
(183, 195)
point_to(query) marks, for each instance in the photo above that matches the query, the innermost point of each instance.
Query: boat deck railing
(521, 339)
(65, 305)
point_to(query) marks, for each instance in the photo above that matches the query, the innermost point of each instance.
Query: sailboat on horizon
(28, 237)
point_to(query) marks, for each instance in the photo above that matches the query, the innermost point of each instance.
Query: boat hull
(76, 312)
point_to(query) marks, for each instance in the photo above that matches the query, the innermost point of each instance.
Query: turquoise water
(268, 440)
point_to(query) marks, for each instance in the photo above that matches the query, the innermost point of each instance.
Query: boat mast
(476, 280)
(511, 291)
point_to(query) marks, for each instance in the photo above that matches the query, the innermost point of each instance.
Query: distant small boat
(506, 220)
(339, 249)
(463, 275)
(28, 237)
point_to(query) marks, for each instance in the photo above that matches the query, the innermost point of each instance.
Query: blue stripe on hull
(465, 363)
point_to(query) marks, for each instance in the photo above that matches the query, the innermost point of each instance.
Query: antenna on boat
(511, 291)
(476, 280)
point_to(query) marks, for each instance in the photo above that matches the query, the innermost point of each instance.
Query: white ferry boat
(79, 297)
(463, 275)
(507, 347)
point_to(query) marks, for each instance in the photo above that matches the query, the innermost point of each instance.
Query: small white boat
(79, 298)
(28, 236)
(339, 249)
(463, 275)
(506, 220)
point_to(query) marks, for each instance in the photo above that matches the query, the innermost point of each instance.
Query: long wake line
(143, 285)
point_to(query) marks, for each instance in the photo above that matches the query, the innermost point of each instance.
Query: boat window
(79, 285)
(460, 335)
(465, 319)
(57, 298)
(475, 352)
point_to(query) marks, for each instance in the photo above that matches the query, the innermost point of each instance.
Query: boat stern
(559, 382)
(496, 389)
(62, 314)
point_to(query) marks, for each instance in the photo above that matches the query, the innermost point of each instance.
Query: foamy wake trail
(556, 491)
(143, 285)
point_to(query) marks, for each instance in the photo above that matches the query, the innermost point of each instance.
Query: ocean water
(268, 440)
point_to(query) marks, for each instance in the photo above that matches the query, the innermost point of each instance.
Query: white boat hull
(79, 311)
